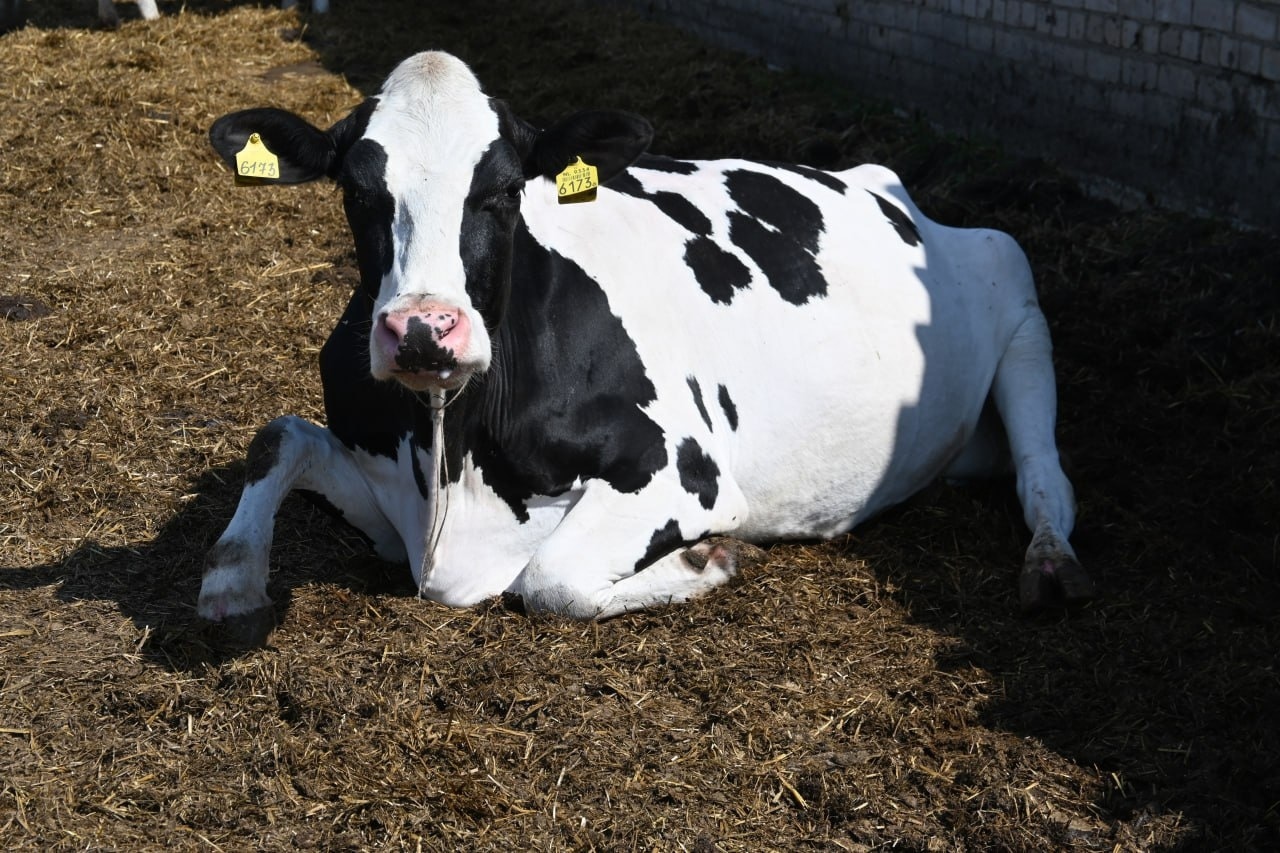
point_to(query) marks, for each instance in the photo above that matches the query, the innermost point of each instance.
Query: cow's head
(432, 172)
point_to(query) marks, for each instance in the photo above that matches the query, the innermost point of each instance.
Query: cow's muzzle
(424, 345)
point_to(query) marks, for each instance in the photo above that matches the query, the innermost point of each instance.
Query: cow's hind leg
(1026, 396)
(608, 556)
(682, 575)
(288, 453)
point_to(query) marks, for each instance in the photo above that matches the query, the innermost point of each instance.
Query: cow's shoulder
(573, 394)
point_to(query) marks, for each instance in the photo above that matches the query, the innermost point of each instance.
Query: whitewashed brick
(1199, 122)
(1012, 45)
(1075, 26)
(1213, 14)
(1071, 59)
(1151, 38)
(1142, 10)
(1139, 73)
(1257, 22)
(1124, 103)
(1162, 110)
(1173, 11)
(1177, 81)
(1130, 34)
(1248, 57)
(1106, 70)
(1189, 46)
(1270, 64)
(1103, 67)
(1093, 28)
(1111, 32)
(1060, 20)
(1210, 49)
(931, 23)
(952, 32)
(979, 37)
(1089, 97)
(1215, 94)
(1265, 102)
(1228, 53)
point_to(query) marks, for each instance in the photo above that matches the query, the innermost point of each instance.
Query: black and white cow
(573, 403)
(107, 11)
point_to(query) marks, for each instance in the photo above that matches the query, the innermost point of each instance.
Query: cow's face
(432, 192)
(432, 171)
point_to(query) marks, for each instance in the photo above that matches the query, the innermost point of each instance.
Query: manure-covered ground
(879, 691)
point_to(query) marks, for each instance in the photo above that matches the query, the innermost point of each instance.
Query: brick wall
(1177, 100)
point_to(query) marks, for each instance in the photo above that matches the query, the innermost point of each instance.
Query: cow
(107, 12)
(13, 12)
(588, 408)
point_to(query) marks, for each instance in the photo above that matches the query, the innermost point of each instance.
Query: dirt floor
(877, 691)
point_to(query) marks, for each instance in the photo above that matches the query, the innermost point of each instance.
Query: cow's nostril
(394, 325)
(388, 339)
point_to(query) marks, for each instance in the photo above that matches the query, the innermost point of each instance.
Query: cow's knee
(541, 590)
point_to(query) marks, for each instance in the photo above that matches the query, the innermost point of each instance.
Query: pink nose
(438, 321)
(427, 337)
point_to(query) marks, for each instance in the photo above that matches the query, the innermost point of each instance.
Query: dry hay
(876, 691)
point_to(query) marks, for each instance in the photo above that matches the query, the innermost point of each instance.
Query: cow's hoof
(242, 631)
(1053, 583)
(730, 556)
(220, 600)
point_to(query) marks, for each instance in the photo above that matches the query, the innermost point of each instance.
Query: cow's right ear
(305, 152)
(610, 140)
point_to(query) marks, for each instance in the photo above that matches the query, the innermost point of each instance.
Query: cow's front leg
(615, 553)
(288, 453)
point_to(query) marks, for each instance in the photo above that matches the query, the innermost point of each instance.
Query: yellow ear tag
(577, 183)
(255, 164)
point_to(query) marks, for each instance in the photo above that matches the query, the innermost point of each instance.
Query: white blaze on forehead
(434, 123)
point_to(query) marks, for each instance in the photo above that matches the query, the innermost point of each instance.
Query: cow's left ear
(607, 139)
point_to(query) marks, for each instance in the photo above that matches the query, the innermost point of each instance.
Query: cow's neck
(566, 398)
(489, 418)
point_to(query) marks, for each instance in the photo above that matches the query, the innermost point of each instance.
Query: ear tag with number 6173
(255, 164)
(577, 183)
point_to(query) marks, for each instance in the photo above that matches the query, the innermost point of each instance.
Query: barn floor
(878, 691)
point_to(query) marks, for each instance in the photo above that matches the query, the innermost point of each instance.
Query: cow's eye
(503, 199)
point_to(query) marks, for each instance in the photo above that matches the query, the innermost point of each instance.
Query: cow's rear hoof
(243, 631)
(731, 556)
(513, 602)
(1054, 583)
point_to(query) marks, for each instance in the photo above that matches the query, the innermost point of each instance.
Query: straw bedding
(876, 691)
